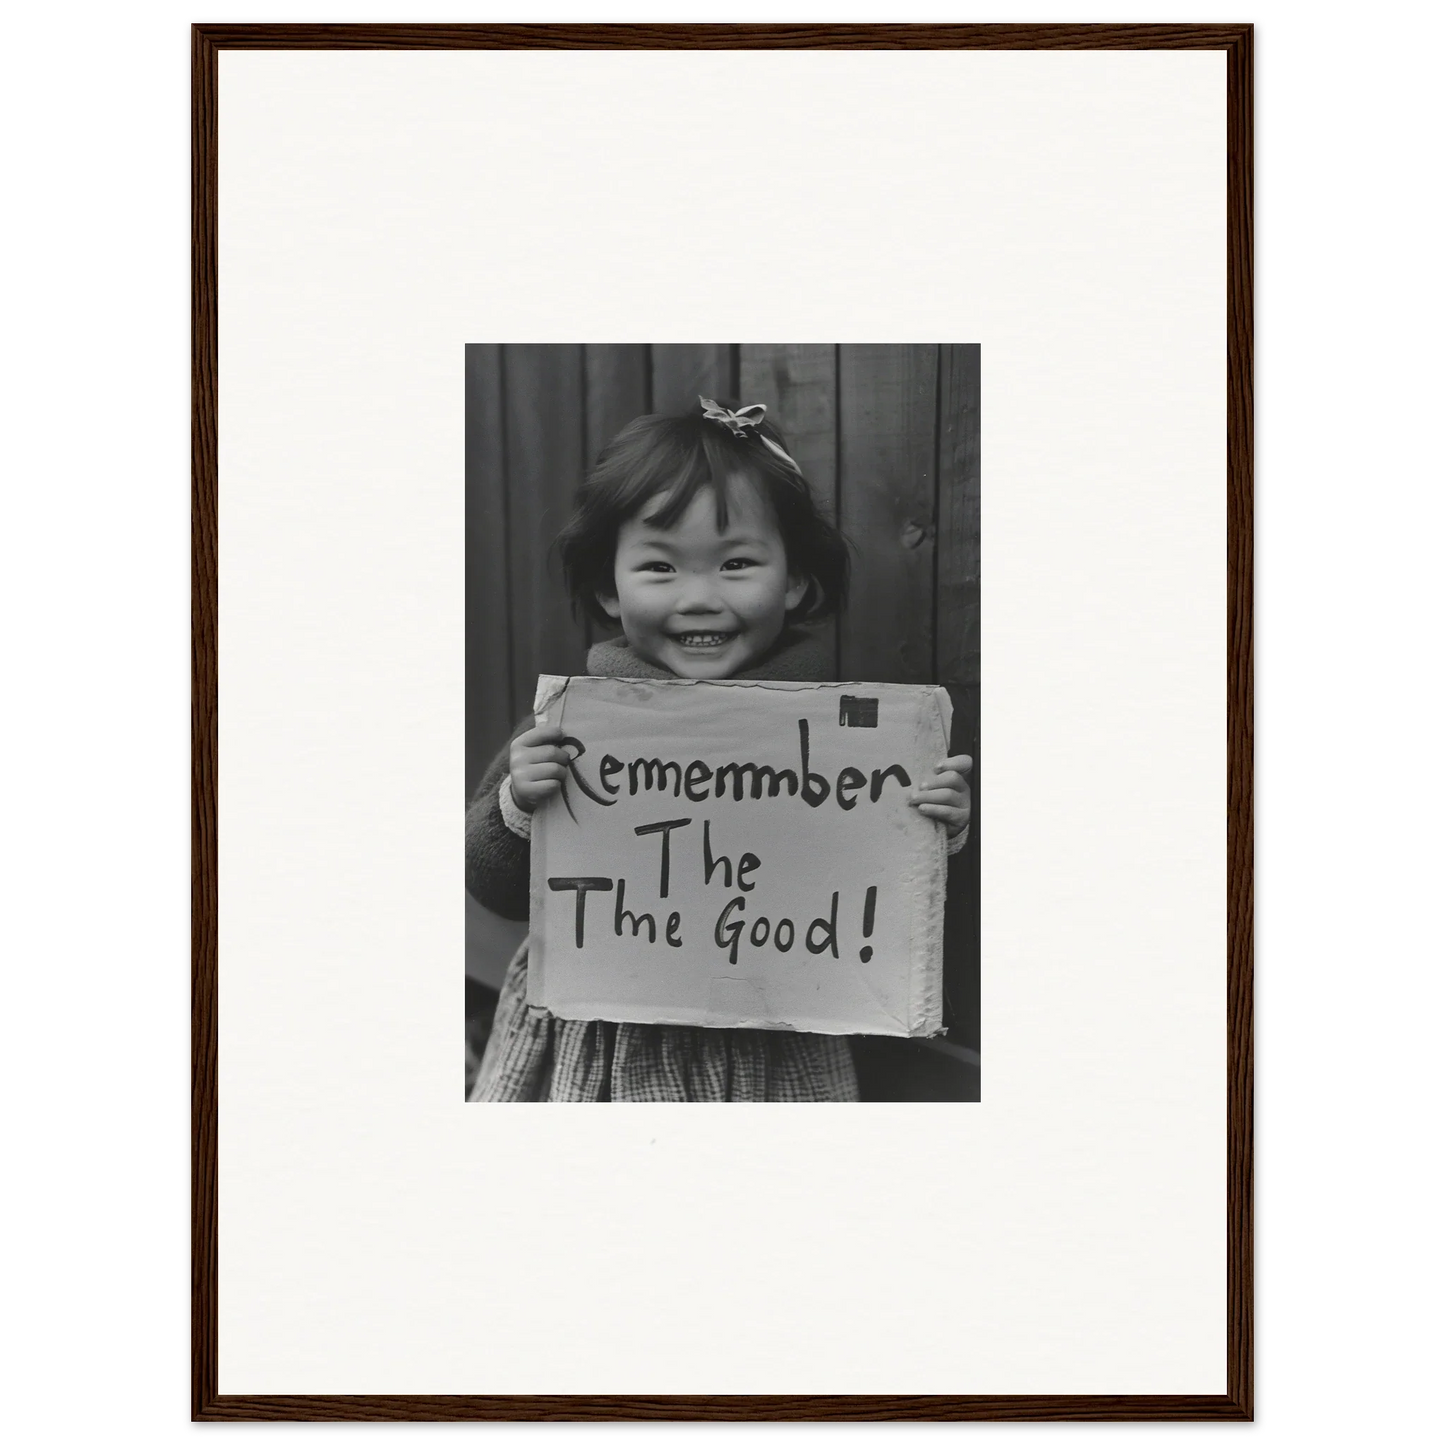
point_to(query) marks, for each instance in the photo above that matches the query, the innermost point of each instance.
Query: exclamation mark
(866, 952)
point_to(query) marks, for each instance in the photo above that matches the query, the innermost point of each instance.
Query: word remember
(698, 782)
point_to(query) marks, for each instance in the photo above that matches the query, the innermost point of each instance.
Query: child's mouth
(703, 639)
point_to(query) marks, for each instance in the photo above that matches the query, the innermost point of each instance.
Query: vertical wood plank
(887, 473)
(961, 935)
(617, 391)
(544, 429)
(957, 630)
(956, 643)
(680, 374)
(799, 386)
(490, 709)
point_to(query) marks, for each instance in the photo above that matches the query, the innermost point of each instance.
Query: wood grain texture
(1240, 711)
(492, 709)
(963, 901)
(680, 374)
(799, 387)
(723, 37)
(617, 391)
(956, 631)
(618, 387)
(1238, 1402)
(887, 493)
(544, 467)
(723, 1407)
(205, 910)
(956, 650)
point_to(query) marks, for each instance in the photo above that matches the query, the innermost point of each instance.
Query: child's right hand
(539, 765)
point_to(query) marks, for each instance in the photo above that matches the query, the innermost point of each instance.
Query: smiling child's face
(698, 601)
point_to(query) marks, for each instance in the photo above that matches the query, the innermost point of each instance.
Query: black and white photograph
(722, 722)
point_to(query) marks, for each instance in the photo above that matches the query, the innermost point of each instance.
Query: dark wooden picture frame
(1236, 42)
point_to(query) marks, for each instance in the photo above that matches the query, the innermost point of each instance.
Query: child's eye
(655, 567)
(737, 563)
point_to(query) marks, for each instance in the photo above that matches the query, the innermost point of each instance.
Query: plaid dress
(534, 1057)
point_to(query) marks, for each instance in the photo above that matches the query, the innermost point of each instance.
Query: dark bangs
(671, 459)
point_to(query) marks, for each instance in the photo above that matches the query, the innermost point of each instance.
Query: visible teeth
(703, 639)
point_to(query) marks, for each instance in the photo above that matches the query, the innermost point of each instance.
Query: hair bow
(744, 419)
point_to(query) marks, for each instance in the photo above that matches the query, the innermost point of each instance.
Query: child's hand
(946, 796)
(539, 766)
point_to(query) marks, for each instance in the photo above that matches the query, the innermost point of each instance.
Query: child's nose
(699, 594)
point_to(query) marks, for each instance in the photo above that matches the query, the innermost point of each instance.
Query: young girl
(698, 534)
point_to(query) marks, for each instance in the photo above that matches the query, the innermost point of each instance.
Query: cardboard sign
(741, 855)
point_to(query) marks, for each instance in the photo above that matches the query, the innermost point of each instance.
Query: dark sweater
(498, 862)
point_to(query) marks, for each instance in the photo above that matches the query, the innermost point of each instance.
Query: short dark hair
(676, 457)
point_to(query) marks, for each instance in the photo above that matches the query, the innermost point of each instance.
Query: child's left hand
(946, 796)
